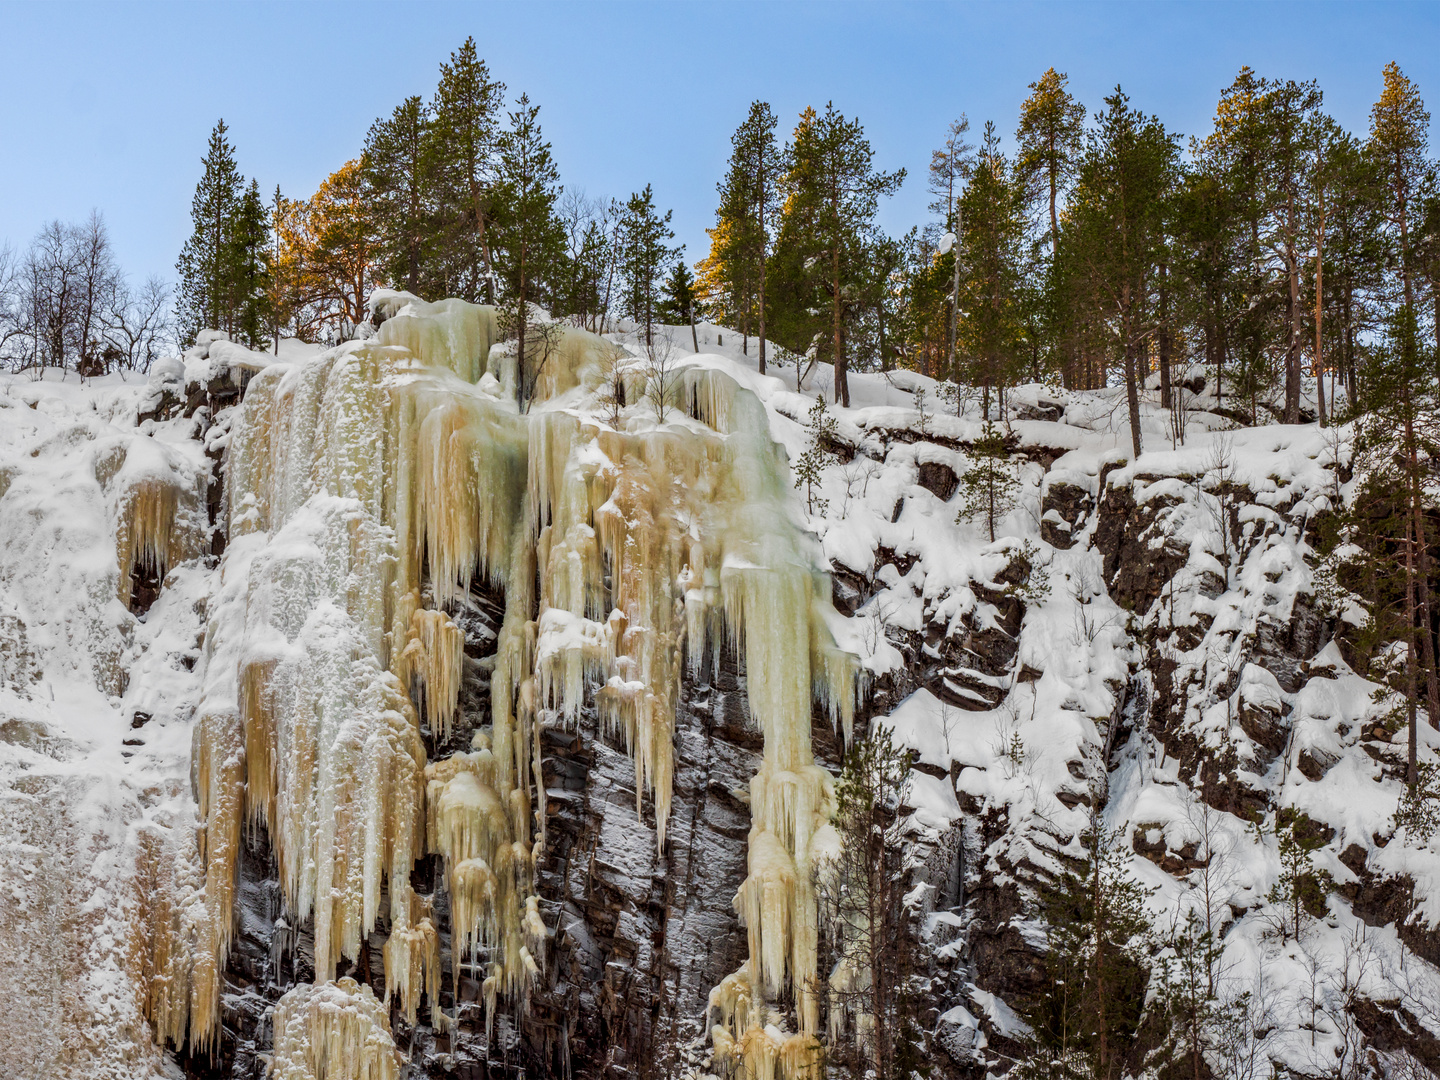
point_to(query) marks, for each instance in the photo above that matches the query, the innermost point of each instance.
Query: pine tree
(644, 253)
(718, 289)
(991, 258)
(864, 917)
(1049, 137)
(530, 241)
(587, 269)
(1097, 966)
(1187, 997)
(795, 275)
(832, 197)
(1399, 125)
(1299, 891)
(399, 187)
(1117, 239)
(950, 168)
(1387, 557)
(989, 487)
(1292, 112)
(328, 255)
(460, 159)
(203, 268)
(1399, 133)
(749, 202)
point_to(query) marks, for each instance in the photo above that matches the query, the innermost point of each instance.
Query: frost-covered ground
(95, 710)
(1161, 660)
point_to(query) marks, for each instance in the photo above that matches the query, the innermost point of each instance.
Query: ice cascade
(369, 490)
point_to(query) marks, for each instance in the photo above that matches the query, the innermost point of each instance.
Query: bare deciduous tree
(662, 370)
(66, 304)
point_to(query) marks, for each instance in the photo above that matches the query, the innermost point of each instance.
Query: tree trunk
(1097, 913)
(842, 386)
(1412, 773)
(1422, 551)
(1054, 220)
(1166, 401)
(484, 248)
(1132, 394)
(1292, 352)
(1319, 308)
(878, 945)
(522, 318)
(761, 367)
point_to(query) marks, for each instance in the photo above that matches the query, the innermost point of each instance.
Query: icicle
(434, 655)
(412, 964)
(158, 518)
(336, 1031)
(488, 873)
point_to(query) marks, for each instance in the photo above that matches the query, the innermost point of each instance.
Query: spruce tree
(678, 306)
(204, 290)
(246, 287)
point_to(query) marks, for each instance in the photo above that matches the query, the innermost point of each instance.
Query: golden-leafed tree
(327, 254)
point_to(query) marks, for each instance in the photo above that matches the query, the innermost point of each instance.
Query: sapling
(989, 487)
(922, 418)
(811, 466)
(662, 371)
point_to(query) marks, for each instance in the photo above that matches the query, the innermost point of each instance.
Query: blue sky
(109, 105)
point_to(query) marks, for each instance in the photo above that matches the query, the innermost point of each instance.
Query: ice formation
(368, 489)
(336, 1031)
(156, 505)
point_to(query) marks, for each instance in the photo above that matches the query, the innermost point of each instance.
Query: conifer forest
(450, 630)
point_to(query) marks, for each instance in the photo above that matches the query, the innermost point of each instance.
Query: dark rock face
(1072, 505)
(1139, 557)
(1391, 1027)
(643, 936)
(1381, 901)
(938, 479)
